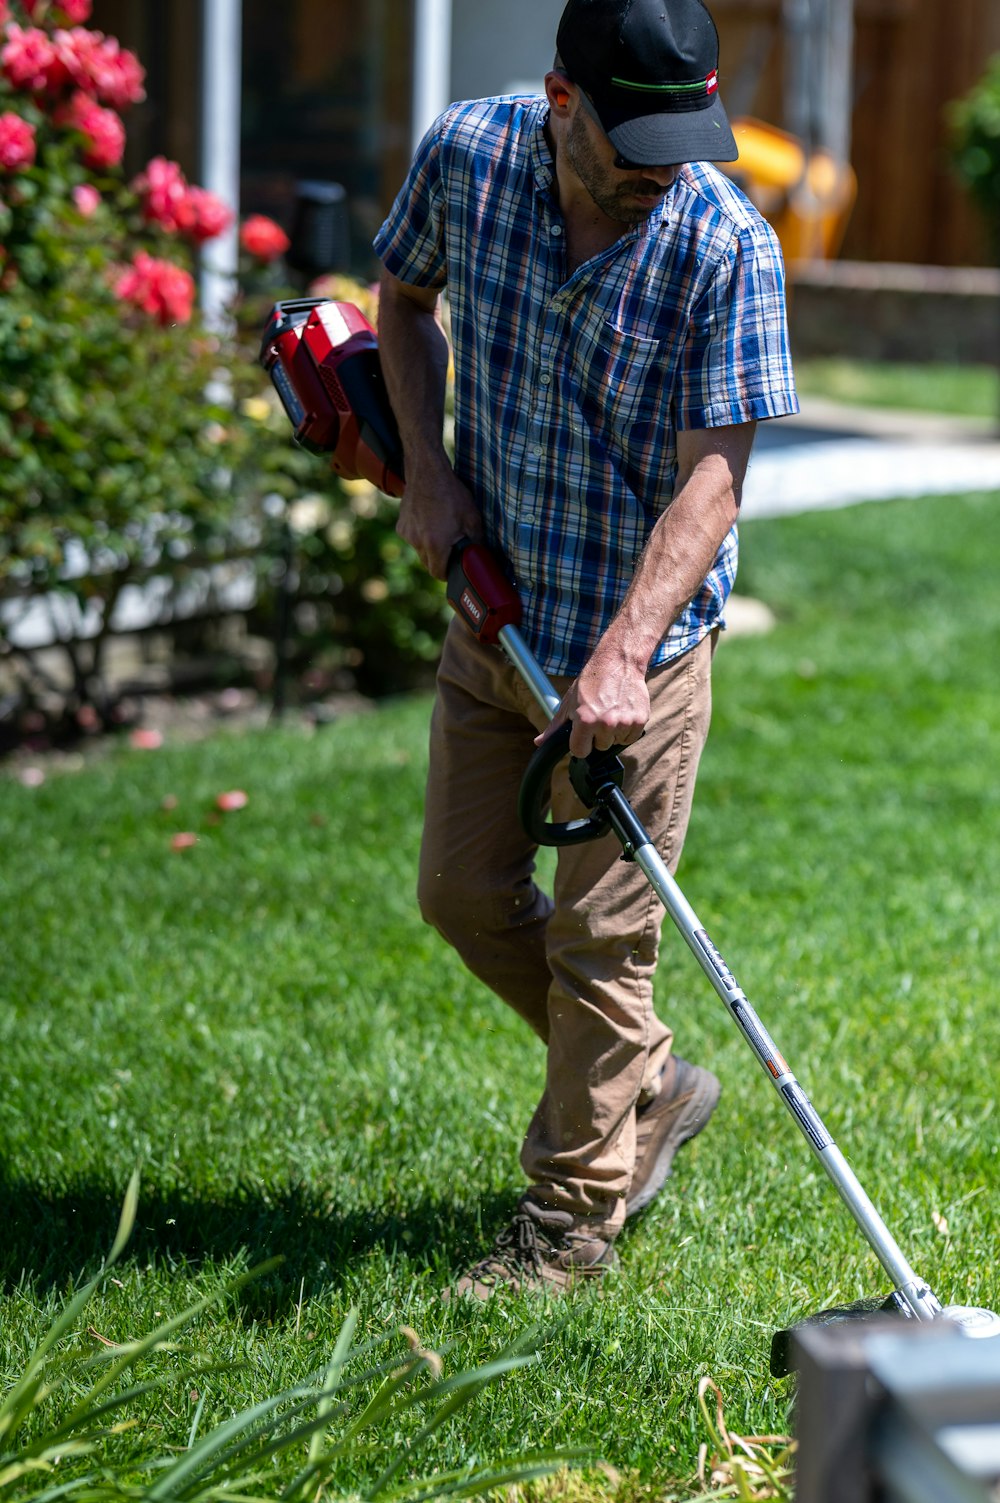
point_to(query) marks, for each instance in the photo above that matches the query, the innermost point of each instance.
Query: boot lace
(520, 1246)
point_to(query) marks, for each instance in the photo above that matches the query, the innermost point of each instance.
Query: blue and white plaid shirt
(569, 389)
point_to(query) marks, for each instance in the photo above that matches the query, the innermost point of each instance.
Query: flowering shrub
(114, 463)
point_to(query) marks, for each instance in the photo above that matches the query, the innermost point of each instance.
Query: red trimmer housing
(480, 592)
(322, 357)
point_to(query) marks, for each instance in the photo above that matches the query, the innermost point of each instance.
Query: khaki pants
(578, 967)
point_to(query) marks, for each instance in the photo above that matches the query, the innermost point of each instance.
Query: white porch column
(221, 89)
(431, 63)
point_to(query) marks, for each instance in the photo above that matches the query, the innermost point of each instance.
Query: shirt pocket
(620, 385)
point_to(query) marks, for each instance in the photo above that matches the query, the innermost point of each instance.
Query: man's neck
(588, 229)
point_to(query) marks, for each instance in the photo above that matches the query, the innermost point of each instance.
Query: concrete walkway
(833, 455)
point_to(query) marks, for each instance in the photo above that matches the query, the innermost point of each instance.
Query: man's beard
(613, 196)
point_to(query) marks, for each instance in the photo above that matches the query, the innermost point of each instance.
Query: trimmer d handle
(590, 776)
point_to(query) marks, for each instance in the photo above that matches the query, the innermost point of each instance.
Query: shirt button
(556, 229)
(544, 380)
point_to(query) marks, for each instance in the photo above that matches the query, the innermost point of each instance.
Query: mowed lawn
(303, 1069)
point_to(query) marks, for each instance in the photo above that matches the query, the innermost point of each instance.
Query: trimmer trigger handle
(480, 592)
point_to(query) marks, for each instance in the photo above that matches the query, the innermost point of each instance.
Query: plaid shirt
(569, 389)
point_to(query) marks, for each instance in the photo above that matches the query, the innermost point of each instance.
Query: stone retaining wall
(886, 311)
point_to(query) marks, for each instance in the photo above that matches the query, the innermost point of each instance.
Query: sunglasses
(622, 163)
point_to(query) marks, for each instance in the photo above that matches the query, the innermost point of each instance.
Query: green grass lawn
(958, 390)
(304, 1070)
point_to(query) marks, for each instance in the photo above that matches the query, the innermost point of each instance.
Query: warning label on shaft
(718, 965)
(806, 1116)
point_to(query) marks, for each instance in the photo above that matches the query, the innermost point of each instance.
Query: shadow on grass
(53, 1237)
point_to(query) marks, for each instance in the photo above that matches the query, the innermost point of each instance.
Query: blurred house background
(338, 90)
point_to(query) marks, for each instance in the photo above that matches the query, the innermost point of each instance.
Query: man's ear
(557, 88)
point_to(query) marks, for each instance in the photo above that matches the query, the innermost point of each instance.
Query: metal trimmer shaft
(635, 840)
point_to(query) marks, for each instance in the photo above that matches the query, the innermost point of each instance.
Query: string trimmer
(323, 359)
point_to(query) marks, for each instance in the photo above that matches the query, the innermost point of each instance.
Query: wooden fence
(911, 59)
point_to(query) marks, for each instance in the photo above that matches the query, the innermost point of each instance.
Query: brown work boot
(541, 1251)
(672, 1117)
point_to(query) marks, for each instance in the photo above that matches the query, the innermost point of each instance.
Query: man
(618, 327)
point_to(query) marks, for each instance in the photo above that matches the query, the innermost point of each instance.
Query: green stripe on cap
(663, 88)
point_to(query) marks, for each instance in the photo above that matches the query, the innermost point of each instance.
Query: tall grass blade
(458, 1390)
(331, 1385)
(472, 1482)
(331, 1378)
(121, 1358)
(126, 1221)
(224, 1443)
(31, 1390)
(27, 1393)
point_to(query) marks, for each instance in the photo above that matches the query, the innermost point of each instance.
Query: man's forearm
(414, 355)
(609, 702)
(436, 509)
(678, 555)
(683, 545)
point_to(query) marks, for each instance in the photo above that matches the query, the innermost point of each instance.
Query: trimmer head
(861, 1309)
(972, 1320)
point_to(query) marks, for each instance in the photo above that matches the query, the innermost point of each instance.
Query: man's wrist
(426, 463)
(627, 648)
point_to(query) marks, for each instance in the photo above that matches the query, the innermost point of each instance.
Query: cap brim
(669, 138)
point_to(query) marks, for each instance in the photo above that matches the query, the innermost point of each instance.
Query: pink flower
(163, 191)
(73, 11)
(102, 130)
(262, 238)
(234, 799)
(27, 58)
(100, 66)
(75, 58)
(146, 738)
(157, 287)
(171, 202)
(17, 143)
(183, 840)
(208, 215)
(76, 12)
(87, 199)
(125, 85)
(3, 12)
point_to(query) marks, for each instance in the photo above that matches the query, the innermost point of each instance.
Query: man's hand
(437, 510)
(608, 705)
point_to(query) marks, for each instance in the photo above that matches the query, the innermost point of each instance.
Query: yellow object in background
(808, 198)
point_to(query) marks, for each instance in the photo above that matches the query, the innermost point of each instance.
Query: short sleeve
(736, 365)
(411, 242)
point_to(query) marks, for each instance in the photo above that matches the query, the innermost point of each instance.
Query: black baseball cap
(650, 68)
